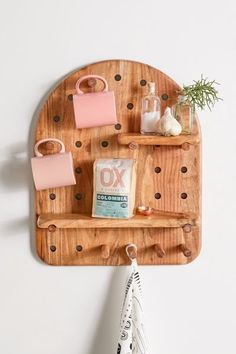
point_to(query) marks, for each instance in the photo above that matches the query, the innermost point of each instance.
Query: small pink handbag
(94, 109)
(51, 171)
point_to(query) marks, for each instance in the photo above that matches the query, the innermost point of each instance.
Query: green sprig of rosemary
(201, 94)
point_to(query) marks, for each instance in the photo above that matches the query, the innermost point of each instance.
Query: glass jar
(150, 111)
(184, 114)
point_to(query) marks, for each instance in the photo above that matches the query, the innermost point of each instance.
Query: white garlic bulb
(168, 125)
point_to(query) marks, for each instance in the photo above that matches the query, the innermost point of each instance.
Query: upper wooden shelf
(140, 139)
(85, 221)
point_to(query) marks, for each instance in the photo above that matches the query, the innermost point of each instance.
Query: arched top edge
(84, 67)
(67, 76)
(89, 67)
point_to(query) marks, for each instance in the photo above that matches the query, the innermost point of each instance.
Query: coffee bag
(114, 182)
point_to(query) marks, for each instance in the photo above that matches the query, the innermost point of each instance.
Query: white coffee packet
(114, 182)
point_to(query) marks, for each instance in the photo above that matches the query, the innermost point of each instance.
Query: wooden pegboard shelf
(85, 221)
(140, 139)
(168, 178)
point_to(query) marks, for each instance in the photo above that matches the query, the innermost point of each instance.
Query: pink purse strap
(86, 77)
(38, 154)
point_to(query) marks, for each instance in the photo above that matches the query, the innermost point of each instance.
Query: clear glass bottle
(150, 113)
(184, 114)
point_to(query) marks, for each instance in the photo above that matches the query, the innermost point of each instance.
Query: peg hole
(164, 97)
(158, 195)
(184, 169)
(184, 195)
(143, 82)
(53, 248)
(104, 143)
(78, 170)
(78, 144)
(130, 105)
(56, 119)
(157, 169)
(52, 196)
(117, 77)
(78, 196)
(118, 126)
(70, 97)
(79, 248)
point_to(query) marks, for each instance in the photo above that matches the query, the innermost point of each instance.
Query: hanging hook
(131, 251)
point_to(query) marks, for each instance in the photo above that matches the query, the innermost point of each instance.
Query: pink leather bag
(51, 171)
(96, 108)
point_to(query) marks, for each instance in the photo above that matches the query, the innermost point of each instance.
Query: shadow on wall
(106, 337)
(15, 176)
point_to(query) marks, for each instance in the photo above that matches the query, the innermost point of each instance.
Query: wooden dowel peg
(92, 82)
(185, 146)
(133, 145)
(159, 250)
(187, 228)
(52, 228)
(105, 251)
(186, 251)
(131, 250)
(50, 145)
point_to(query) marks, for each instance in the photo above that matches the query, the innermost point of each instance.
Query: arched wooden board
(56, 119)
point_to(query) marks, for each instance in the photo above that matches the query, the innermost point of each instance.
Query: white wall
(65, 310)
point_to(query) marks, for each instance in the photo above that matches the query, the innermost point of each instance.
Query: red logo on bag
(112, 177)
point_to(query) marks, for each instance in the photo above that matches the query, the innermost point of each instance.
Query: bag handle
(86, 77)
(38, 154)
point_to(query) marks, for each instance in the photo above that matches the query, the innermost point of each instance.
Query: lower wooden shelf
(85, 221)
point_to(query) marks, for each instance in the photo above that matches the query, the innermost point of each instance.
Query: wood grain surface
(140, 139)
(85, 221)
(169, 176)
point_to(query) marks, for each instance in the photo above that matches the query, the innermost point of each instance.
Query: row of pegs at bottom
(132, 250)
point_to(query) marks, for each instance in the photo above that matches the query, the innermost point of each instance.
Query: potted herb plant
(201, 94)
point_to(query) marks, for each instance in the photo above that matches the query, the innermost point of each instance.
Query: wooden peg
(186, 251)
(131, 251)
(105, 251)
(133, 145)
(187, 228)
(49, 145)
(185, 146)
(52, 228)
(159, 250)
(92, 82)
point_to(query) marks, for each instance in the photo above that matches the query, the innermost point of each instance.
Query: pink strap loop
(38, 154)
(87, 77)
